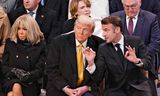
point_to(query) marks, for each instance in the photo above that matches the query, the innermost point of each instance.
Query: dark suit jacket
(62, 64)
(45, 18)
(68, 25)
(119, 77)
(149, 5)
(61, 7)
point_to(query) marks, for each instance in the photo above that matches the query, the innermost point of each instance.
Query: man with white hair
(67, 69)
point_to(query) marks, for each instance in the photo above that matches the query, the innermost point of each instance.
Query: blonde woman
(4, 30)
(23, 60)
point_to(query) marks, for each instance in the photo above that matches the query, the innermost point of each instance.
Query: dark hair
(114, 20)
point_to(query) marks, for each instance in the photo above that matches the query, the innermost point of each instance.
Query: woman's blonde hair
(34, 34)
(5, 26)
(74, 6)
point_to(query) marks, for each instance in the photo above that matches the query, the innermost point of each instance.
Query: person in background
(8, 5)
(77, 8)
(67, 69)
(46, 18)
(24, 58)
(5, 29)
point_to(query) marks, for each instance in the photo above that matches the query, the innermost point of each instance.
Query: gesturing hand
(130, 54)
(90, 55)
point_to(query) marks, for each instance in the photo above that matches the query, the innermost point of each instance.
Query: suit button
(27, 57)
(16, 56)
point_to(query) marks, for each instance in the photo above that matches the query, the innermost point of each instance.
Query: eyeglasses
(130, 6)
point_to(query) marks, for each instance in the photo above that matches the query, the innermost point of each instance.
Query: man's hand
(69, 91)
(130, 55)
(81, 90)
(90, 55)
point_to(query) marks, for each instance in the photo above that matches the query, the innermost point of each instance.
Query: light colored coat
(5, 29)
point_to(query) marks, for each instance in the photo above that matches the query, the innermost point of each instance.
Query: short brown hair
(74, 6)
(114, 20)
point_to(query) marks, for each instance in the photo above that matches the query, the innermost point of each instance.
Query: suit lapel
(140, 25)
(124, 24)
(72, 51)
(40, 16)
(113, 54)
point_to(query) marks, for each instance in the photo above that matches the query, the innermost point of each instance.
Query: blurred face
(22, 32)
(131, 7)
(83, 9)
(30, 4)
(109, 33)
(82, 32)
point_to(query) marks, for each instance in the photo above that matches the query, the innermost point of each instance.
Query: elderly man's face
(131, 7)
(30, 4)
(82, 31)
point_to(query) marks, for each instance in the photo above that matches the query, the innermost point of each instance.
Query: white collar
(35, 10)
(84, 43)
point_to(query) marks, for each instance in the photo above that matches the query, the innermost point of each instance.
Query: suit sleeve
(101, 68)
(142, 54)
(154, 45)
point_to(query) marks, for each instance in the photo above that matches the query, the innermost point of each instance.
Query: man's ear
(117, 29)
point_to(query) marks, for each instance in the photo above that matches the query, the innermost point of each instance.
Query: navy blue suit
(149, 5)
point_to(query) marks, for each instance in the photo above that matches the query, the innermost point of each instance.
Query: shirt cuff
(65, 87)
(140, 63)
(91, 69)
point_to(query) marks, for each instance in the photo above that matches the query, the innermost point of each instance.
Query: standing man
(67, 69)
(45, 18)
(148, 5)
(121, 60)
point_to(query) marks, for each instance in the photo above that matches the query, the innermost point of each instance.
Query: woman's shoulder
(9, 41)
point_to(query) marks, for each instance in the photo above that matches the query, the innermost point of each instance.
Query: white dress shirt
(35, 11)
(121, 42)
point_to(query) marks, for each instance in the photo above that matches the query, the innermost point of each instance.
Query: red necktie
(130, 26)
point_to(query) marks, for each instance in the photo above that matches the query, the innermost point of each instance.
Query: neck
(118, 38)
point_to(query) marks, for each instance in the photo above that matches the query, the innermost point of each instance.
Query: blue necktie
(31, 13)
(42, 2)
